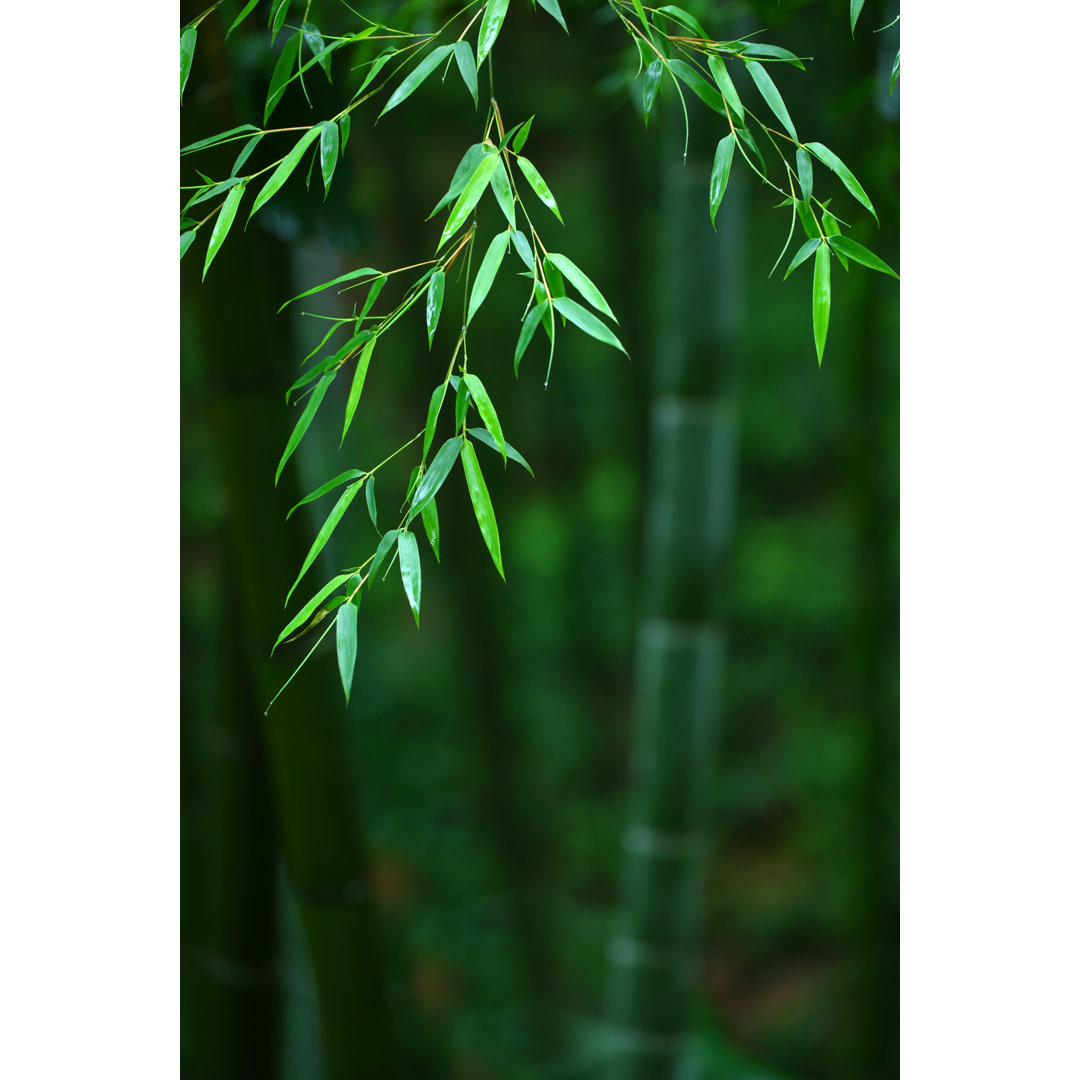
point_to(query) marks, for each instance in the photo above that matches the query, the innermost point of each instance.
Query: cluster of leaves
(672, 46)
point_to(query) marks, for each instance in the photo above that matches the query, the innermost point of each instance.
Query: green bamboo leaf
(309, 608)
(339, 357)
(285, 169)
(186, 239)
(388, 541)
(409, 562)
(895, 73)
(586, 321)
(327, 530)
(486, 274)
(435, 475)
(278, 10)
(346, 645)
(345, 124)
(369, 498)
(214, 140)
(528, 328)
(325, 489)
(461, 402)
(490, 25)
(553, 9)
(484, 436)
(377, 65)
(328, 153)
(847, 177)
(304, 422)
(522, 134)
(521, 246)
(832, 228)
(771, 52)
(434, 408)
(463, 54)
(466, 167)
(721, 170)
(694, 79)
(806, 216)
(223, 224)
(470, 195)
(744, 134)
(727, 87)
(286, 61)
(685, 18)
(433, 307)
(314, 40)
(486, 410)
(582, 283)
(653, 74)
(803, 254)
(767, 88)
(352, 275)
(187, 54)
(357, 387)
(245, 153)
(806, 173)
(430, 517)
(482, 508)
(417, 76)
(822, 299)
(856, 8)
(536, 182)
(500, 188)
(846, 246)
(244, 13)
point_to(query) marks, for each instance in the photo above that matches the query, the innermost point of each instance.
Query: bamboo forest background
(478, 780)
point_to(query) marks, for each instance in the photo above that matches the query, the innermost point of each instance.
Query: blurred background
(439, 880)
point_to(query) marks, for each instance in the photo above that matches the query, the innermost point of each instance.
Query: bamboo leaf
(187, 54)
(653, 74)
(587, 321)
(500, 188)
(482, 508)
(553, 9)
(744, 134)
(290, 52)
(308, 609)
(435, 475)
(846, 246)
(245, 153)
(767, 88)
(847, 177)
(285, 169)
(727, 87)
(325, 489)
(352, 275)
(388, 541)
(536, 182)
(704, 90)
(434, 408)
(461, 402)
(528, 328)
(463, 54)
(223, 224)
(278, 10)
(486, 410)
(345, 124)
(484, 436)
(466, 167)
(346, 645)
(577, 277)
(493, 258)
(304, 422)
(377, 65)
(328, 153)
(433, 306)
(369, 498)
(327, 530)
(409, 563)
(490, 25)
(430, 516)
(186, 239)
(522, 134)
(214, 140)
(803, 254)
(856, 8)
(314, 40)
(417, 76)
(721, 170)
(244, 13)
(822, 299)
(806, 173)
(895, 74)
(771, 52)
(470, 195)
(832, 228)
(521, 246)
(357, 387)
(684, 18)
